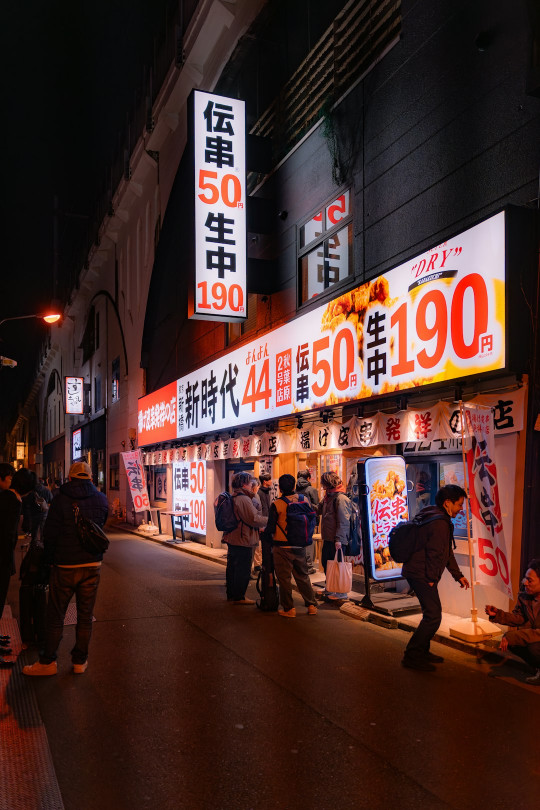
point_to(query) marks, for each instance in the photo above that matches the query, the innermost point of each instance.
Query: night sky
(71, 74)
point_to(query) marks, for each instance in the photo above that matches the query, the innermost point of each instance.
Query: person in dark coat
(264, 493)
(74, 571)
(13, 487)
(523, 639)
(303, 487)
(35, 507)
(425, 568)
(33, 573)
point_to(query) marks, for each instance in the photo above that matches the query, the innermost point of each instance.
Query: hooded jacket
(436, 548)
(335, 511)
(303, 487)
(62, 545)
(249, 520)
(523, 617)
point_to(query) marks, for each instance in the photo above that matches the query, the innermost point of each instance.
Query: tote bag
(338, 574)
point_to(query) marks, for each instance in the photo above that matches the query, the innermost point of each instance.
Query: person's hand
(504, 644)
(491, 610)
(338, 545)
(464, 583)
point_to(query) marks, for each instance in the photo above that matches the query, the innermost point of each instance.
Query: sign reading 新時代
(440, 316)
(220, 213)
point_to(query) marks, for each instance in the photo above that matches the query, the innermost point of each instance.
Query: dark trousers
(238, 571)
(64, 582)
(292, 562)
(430, 602)
(5, 576)
(529, 653)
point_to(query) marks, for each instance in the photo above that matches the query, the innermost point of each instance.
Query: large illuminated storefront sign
(438, 317)
(220, 207)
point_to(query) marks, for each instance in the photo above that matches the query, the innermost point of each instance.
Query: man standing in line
(304, 487)
(74, 570)
(424, 569)
(242, 540)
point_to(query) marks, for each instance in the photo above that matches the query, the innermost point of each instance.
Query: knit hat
(80, 470)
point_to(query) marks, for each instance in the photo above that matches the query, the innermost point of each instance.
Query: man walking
(74, 571)
(289, 555)
(424, 569)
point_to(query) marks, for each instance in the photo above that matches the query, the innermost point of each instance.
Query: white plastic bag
(338, 574)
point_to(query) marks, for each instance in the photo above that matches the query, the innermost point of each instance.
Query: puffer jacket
(250, 520)
(522, 616)
(62, 545)
(335, 511)
(436, 548)
(303, 487)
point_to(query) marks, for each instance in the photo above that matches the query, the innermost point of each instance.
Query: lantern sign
(74, 395)
(137, 482)
(21, 447)
(218, 132)
(76, 444)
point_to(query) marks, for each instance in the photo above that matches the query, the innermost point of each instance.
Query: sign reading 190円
(220, 213)
(189, 492)
(438, 317)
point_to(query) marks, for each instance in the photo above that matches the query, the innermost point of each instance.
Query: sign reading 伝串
(136, 480)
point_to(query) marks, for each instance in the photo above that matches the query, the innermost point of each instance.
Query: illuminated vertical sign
(76, 444)
(74, 395)
(189, 493)
(219, 148)
(386, 505)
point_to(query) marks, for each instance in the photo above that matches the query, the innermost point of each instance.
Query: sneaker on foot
(312, 610)
(290, 614)
(243, 602)
(434, 659)
(78, 669)
(534, 679)
(41, 669)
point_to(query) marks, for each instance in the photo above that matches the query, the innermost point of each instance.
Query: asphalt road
(190, 703)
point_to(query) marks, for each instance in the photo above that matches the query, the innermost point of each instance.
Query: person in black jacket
(74, 570)
(424, 569)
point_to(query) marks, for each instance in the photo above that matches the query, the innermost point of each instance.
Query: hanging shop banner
(386, 505)
(219, 148)
(74, 395)
(492, 565)
(76, 444)
(508, 409)
(326, 436)
(157, 416)
(136, 480)
(304, 440)
(438, 317)
(189, 492)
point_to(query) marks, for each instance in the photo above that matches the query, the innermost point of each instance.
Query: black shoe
(6, 664)
(418, 663)
(434, 659)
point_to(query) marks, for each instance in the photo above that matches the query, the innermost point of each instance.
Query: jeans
(64, 582)
(430, 602)
(529, 653)
(238, 571)
(292, 561)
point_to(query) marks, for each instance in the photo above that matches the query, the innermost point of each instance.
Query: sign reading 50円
(189, 492)
(220, 213)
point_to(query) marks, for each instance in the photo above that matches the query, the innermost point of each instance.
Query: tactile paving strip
(27, 777)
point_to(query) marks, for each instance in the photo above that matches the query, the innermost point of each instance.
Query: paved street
(190, 703)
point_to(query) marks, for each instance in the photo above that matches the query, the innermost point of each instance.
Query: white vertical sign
(74, 395)
(189, 492)
(220, 207)
(136, 479)
(76, 444)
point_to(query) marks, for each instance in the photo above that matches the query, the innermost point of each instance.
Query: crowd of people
(57, 563)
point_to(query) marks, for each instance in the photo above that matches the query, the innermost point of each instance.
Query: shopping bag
(338, 574)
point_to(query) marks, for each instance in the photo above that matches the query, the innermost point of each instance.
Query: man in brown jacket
(524, 640)
(242, 541)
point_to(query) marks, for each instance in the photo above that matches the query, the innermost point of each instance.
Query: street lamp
(50, 317)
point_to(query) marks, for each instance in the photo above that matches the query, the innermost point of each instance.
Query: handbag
(91, 536)
(338, 574)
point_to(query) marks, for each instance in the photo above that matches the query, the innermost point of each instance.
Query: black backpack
(301, 518)
(404, 538)
(267, 586)
(226, 520)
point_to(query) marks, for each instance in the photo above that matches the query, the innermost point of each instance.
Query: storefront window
(325, 248)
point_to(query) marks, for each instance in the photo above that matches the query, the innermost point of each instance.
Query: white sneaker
(41, 669)
(534, 679)
(78, 669)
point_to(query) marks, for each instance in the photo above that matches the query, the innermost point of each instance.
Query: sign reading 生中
(74, 395)
(220, 207)
(189, 492)
(136, 480)
(386, 505)
(438, 317)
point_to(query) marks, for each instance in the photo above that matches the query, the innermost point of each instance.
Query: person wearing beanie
(74, 571)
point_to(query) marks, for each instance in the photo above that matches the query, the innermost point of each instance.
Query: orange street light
(51, 317)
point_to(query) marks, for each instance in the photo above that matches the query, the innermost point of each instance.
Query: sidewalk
(351, 608)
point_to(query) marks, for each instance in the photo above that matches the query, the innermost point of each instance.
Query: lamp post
(50, 317)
